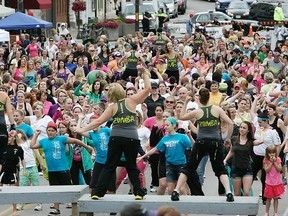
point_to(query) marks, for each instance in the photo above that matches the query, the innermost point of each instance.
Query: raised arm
(34, 144)
(85, 134)
(9, 109)
(142, 95)
(108, 113)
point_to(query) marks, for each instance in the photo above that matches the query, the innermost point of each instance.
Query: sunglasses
(106, 89)
(171, 102)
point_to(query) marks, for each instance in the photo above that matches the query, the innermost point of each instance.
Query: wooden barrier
(44, 194)
(187, 205)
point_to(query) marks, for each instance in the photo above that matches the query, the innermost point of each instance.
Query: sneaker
(54, 212)
(125, 181)
(175, 196)
(69, 205)
(230, 197)
(95, 197)
(20, 207)
(52, 206)
(39, 207)
(153, 190)
(138, 197)
(113, 213)
(130, 192)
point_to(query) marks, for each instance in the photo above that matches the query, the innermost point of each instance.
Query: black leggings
(74, 170)
(116, 146)
(257, 165)
(153, 161)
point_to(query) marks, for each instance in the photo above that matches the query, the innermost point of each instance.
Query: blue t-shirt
(54, 150)
(174, 147)
(27, 129)
(101, 140)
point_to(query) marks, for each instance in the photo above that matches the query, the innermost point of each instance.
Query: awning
(37, 4)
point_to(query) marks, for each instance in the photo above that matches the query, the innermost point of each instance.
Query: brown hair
(270, 149)
(204, 96)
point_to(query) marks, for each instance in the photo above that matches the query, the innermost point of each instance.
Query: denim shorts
(239, 173)
(173, 172)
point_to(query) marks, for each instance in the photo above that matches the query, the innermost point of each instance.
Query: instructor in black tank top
(5, 106)
(124, 136)
(208, 142)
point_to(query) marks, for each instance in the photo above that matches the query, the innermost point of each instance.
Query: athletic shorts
(32, 176)
(8, 178)
(60, 178)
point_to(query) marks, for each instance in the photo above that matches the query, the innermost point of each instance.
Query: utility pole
(137, 2)
(20, 6)
(96, 8)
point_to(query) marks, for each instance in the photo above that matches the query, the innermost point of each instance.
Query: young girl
(8, 173)
(32, 176)
(174, 146)
(274, 189)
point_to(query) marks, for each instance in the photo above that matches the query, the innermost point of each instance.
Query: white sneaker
(20, 207)
(153, 190)
(39, 207)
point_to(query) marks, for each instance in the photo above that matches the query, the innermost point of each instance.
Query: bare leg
(268, 202)
(275, 205)
(171, 186)
(57, 206)
(247, 183)
(14, 210)
(237, 183)
(225, 181)
(182, 180)
(162, 186)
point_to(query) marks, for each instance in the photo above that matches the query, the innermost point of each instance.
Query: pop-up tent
(6, 11)
(4, 36)
(20, 21)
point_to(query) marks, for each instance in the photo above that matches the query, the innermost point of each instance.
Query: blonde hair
(38, 103)
(116, 93)
(79, 74)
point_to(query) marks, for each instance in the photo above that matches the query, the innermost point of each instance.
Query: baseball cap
(52, 124)
(236, 50)
(237, 85)
(154, 85)
(117, 54)
(191, 15)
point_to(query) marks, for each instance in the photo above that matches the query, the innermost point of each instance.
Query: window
(203, 18)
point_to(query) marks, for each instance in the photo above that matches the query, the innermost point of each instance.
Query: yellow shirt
(215, 99)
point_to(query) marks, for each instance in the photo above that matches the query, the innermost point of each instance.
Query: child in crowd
(8, 173)
(274, 189)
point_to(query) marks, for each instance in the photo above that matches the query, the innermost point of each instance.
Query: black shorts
(60, 178)
(8, 178)
(161, 170)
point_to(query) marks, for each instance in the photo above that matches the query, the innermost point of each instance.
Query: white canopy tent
(4, 36)
(6, 11)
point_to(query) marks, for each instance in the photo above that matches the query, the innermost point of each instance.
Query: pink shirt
(150, 122)
(273, 177)
(33, 49)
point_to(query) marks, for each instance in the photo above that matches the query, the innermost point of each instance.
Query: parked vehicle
(173, 7)
(130, 13)
(222, 5)
(264, 11)
(208, 17)
(182, 6)
(238, 9)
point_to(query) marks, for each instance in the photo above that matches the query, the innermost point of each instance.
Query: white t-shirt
(28, 155)
(40, 124)
(51, 51)
(270, 137)
(143, 134)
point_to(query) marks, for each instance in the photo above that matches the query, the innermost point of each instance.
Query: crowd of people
(91, 113)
